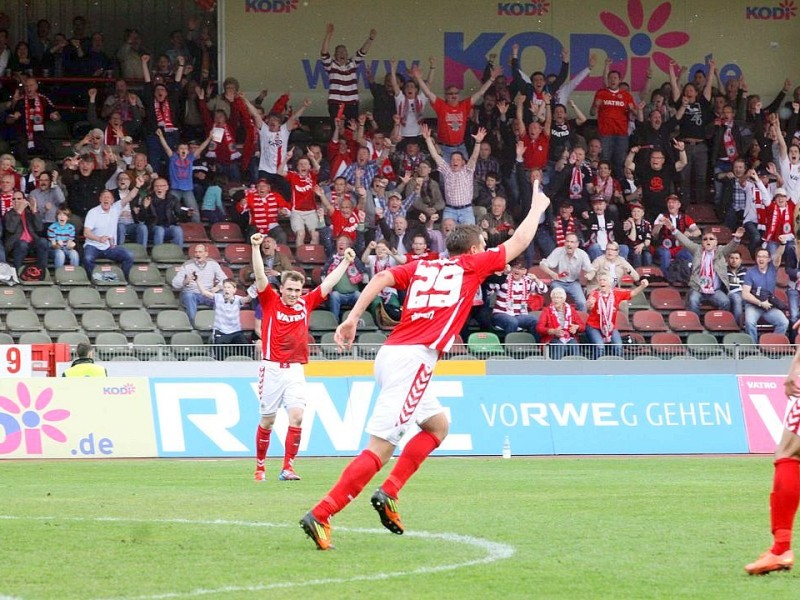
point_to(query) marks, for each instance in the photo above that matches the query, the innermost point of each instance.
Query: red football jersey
(439, 296)
(284, 329)
(302, 190)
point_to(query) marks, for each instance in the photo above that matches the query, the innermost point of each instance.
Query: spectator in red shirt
(612, 105)
(603, 306)
(452, 113)
(419, 250)
(264, 207)
(345, 220)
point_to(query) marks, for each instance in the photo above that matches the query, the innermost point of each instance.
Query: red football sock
(412, 456)
(292, 446)
(262, 443)
(783, 502)
(352, 480)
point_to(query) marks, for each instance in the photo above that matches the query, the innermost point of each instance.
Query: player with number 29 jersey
(439, 296)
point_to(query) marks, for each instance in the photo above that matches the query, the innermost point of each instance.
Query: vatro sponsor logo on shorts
(522, 9)
(25, 422)
(270, 6)
(783, 11)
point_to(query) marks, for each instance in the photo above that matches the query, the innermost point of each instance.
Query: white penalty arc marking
(493, 552)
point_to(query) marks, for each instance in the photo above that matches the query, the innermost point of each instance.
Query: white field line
(492, 552)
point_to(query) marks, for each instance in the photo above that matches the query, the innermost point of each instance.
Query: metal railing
(251, 352)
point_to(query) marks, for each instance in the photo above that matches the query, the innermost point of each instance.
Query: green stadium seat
(369, 343)
(18, 321)
(330, 351)
(158, 298)
(73, 338)
(739, 344)
(13, 298)
(146, 275)
(110, 343)
(171, 321)
(484, 344)
(6, 339)
(204, 320)
(521, 344)
(168, 254)
(149, 344)
(321, 321)
(188, 343)
(47, 298)
(97, 321)
(139, 252)
(703, 345)
(108, 276)
(122, 298)
(81, 299)
(134, 321)
(365, 323)
(35, 337)
(69, 275)
(60, 321)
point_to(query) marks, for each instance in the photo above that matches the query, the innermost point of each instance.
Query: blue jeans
(118, 254)
(615, 148)
(336, 300)
(20, 251)
(139, 231)
(558, 350)
(596, 338)
(60, 256)
(462, 216)
(737, 305)
(664, 257)
(188, 200)
(191, 300)
(719, 299)
(595, 251)
(697, 157)
(511, 323)
(773, 316)
(172, 233)
(574, 291)
(645, 259)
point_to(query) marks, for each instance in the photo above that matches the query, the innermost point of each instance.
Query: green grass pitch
(583, 528)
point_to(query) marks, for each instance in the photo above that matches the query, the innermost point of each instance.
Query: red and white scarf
(353, 274)
(111, 138)
(605, 309)
(6, 203)
(164, 115)
(780, 223)
(34, 117)
(564, 322)
(605, 187)
(576, 183)
(226, 142)
(707, 272)
(729, 144)
(562, 230)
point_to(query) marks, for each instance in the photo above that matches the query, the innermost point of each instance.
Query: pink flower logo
(641, 41)
(789, 8)
(31, 420)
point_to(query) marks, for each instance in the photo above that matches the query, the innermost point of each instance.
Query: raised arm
(523, 236)
(476, 149)
(415, 73)
(332, 278)
(146, 68)
(393, 76)
(496, 72)
(164, 144)
(426, 133)
(258, 262)
(368, 42)
(295, 118)
(673, 82)
(326, 41)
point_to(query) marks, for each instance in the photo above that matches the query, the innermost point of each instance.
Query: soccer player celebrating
(437, 304)
(786, 483)
(284, 348)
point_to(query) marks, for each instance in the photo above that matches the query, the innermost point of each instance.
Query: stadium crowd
(391, 175)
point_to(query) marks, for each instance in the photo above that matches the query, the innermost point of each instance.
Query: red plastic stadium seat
(666, 298)
(194, 232)
(247, 319)
(702, 213)
(667, 343)
(649, 321)
(723, 233)
(684, 321)
(747, 258)
(226, 233)
(623, 324)
(654, 275)
(720, 320)
(540, 273)
(773, 344)
(311, 254)
(213, 251)
(238, 254)
(783, 278)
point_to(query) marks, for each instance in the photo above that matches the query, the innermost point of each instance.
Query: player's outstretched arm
(333, 278)
(523, 236)
(258, 262)
(346, 332)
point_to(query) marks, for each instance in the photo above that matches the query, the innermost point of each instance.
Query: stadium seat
(69, 275)
(311, 254)
(171, 321)
(110, 343)
(540, 273)
(634, 344)
(329, 348)
(458, 347)
(684, 321)
(238, 358)
(13, 298)
(108, 276)
(247, 319)
(35, 337)
(369, 343)
(720, 321)
(149, 344)
(484, 344)
(747, 258)
(782, 278)
(666, 299)
(623, 323)
(702, 213)
(314, 352)
(204, 321)
(521, 344)
(145, 276)
(73, 338)
(194, 233)
(226, 233)
(59, 321)
(667, 344)
(703, 345)
(124, 358)
(122, 298)
(638, 302)
(21, 320)
(187, 343)
(167, 254)
(775, 345)
(47, 298)
(722, 232)
(85, 298)
(6, 339)
(653, 275)
(321, 320)
(134, 321)
(365, 323)
(96, 321)
(649, 321)
(158, 298)
(740, 345)
(316, 275)
(238, 254)
(139, 252)
(47, 281)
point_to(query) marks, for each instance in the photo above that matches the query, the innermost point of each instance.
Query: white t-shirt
(102, 223)
(273, 147)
